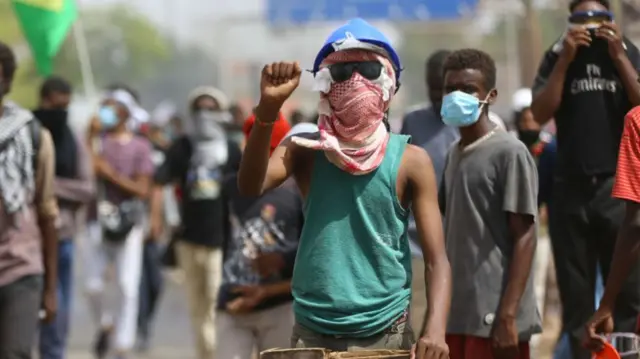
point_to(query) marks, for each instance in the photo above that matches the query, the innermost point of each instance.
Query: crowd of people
(332, 231)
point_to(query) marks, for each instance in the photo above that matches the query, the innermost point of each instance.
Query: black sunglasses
(343, 71)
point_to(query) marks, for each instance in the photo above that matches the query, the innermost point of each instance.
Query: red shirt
(627, 185)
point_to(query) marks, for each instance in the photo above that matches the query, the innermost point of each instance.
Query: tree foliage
(122, 44)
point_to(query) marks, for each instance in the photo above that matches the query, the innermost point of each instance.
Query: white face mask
(208, 124)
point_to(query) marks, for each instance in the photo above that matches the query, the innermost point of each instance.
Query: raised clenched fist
(278, 82)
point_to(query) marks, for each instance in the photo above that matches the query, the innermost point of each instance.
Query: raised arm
(549, 83)
(259, 171)
(425, 207)
(626, 62)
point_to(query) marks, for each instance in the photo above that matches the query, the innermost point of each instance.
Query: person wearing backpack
(28, 214)
(123, 165)
(198, 164)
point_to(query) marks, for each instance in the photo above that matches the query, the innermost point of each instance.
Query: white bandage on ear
(322, 81)
(386, 83)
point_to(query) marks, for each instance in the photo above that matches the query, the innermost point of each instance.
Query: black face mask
(529, 137)
(54, 120)
(3, 89)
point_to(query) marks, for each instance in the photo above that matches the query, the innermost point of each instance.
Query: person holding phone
(587, 81)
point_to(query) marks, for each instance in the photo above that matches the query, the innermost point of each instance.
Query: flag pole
(84, 58)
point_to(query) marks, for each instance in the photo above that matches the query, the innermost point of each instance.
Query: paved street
(172, 339)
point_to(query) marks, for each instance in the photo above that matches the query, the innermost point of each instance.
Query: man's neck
(471, 134)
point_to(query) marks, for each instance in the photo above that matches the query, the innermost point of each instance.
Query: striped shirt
(627, 184)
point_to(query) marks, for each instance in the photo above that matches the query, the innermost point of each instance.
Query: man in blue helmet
(352, 278)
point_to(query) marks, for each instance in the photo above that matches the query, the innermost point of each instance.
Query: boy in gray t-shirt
(489, 200)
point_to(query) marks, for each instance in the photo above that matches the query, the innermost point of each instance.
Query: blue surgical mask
(460, 109)
(108, 117)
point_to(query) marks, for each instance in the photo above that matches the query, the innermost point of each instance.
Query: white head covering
(163, 113)
(137, 115)
(216, 94)
(521, 99)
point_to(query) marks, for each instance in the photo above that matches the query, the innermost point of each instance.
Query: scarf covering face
(63, 139)
(210, 137)
(211, 148)
(17, 184)
(352, 132)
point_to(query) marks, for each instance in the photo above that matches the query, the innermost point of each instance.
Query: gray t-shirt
(483, 182)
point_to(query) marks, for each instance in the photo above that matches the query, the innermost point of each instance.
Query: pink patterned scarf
(352, 133)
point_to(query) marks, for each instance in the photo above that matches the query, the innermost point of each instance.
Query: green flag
(45, 24)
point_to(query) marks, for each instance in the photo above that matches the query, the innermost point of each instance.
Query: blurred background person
(587, 81)
(198, 164)
(28, 214)
(123, 166)
(139, 120)
(234, 129)
(255, 308)
(74, 187)
(424, 125)
(296, 117)
(160, 134)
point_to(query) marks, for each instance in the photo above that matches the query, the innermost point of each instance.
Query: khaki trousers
(202, 268)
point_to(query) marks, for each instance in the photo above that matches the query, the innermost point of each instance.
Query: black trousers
(19, 306)
(583, 221)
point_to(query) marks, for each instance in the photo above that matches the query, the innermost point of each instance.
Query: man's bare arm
(522, 230)
(140, 186)
(629, 78)
(547, 101)
(47, 207)
(259, 172)
(625, 255)
(429, 224)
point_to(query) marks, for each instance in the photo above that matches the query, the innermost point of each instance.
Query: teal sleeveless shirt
(352, 275)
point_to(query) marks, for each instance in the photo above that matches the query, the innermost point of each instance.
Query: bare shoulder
(416, 160)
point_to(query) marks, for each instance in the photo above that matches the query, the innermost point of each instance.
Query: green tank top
(352, 275)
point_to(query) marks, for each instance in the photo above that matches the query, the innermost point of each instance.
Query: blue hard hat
(362, 31)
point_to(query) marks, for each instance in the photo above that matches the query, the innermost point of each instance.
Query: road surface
(172, 331)
(172, 337)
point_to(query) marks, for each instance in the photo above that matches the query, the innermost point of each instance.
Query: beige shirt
(21, 244)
